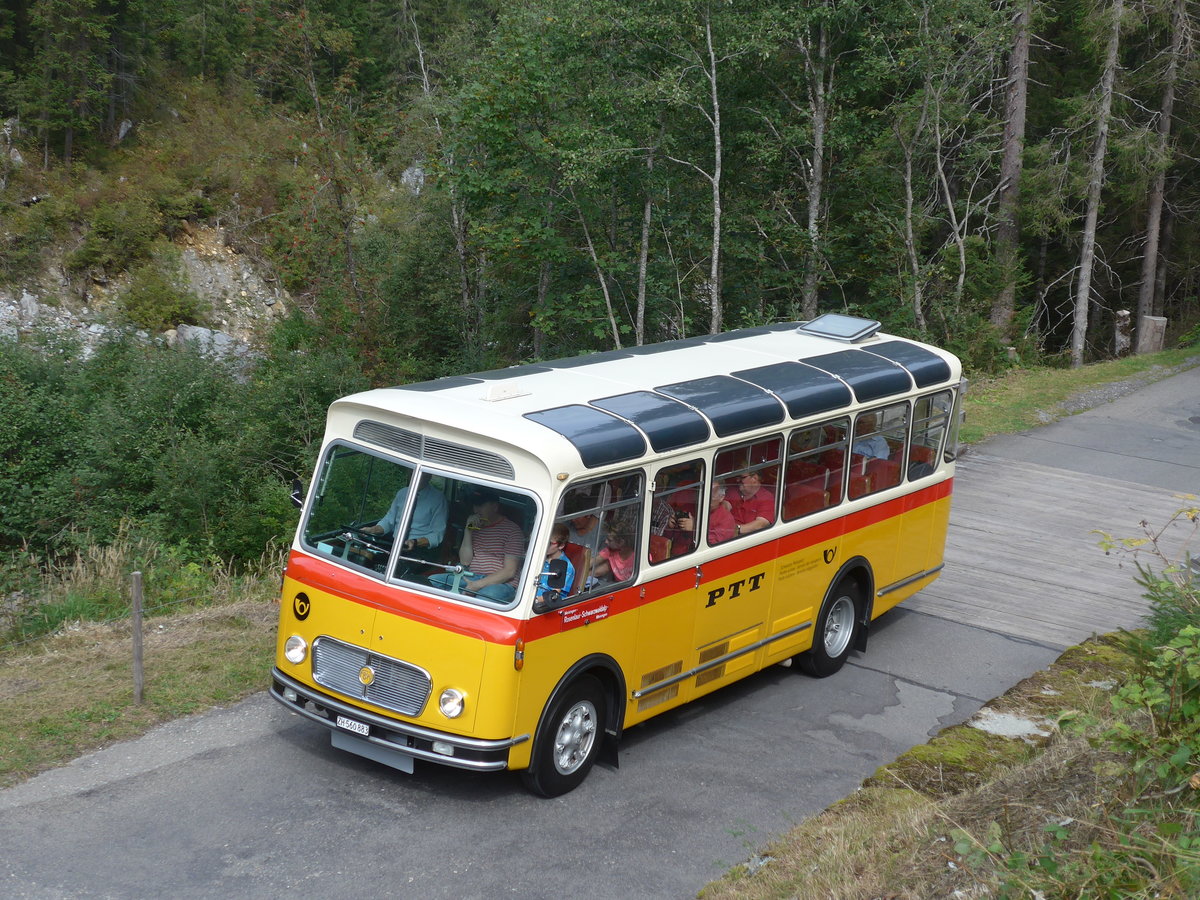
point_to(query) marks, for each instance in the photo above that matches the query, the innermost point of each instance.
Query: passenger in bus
(616, 560)
(428, 525)
(872, 446)
(721, 524)
(752, 505)
(555, 550)
(492, 548)
(586, 531)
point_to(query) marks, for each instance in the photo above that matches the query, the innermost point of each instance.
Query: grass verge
(72, 692)
(974, 815)
(1026, 398)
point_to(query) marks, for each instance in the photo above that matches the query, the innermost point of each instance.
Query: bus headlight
(452, 702)
(296, 649)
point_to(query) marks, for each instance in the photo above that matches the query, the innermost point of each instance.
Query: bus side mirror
(557, 580)
(556, 583)
(297, 493)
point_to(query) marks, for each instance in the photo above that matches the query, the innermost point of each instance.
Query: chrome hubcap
(839, 626)
(576, 734)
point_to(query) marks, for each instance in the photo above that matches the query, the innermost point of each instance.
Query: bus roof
(620, 405)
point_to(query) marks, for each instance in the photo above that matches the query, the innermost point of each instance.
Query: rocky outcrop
(242, 301)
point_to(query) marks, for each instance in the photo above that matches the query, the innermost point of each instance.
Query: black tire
(835, 632)
(569, 739)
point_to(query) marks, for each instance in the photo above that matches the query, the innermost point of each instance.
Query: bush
(118, 233)
(157, 297)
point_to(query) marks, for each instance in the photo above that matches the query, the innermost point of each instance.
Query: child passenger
(616, 559)
(554, 550)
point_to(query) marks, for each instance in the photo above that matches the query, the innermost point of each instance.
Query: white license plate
(351, 725)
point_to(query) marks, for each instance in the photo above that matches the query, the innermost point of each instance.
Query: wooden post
(138, 674)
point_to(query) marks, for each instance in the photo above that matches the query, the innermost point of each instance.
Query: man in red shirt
(752, 505)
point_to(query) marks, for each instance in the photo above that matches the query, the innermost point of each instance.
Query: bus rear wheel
(569, 740)
(837, 626)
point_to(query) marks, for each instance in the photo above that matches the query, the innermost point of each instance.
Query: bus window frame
(530, 533)
(699, 512)
(938, 451)
(749, 467)
(419, 471)
(602, 510)
(835, 489)
(881, 429)
(322, 484)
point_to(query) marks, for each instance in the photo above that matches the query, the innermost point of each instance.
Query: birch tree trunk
(818, 68)
(714, 273)
(907, 147)
(1154, 209)
(1008, 231)
(1087, 255)
(639, 325)
(458, 213)
(600, 275)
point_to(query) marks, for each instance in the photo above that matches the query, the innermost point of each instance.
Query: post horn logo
(830, 554)
(301, 606)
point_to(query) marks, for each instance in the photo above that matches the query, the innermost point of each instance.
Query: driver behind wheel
(428, 520)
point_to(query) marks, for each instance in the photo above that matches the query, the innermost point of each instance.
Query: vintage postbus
(505, 570)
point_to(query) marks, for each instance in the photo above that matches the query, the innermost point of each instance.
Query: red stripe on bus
(324, 576)
(497, 629)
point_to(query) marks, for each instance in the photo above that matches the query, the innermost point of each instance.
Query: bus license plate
(351, 725)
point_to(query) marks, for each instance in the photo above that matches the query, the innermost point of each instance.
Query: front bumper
(394, 736)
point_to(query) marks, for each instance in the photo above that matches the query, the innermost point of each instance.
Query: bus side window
(877, 449)
(931, 416)
(675, 510)
(751, 479)
(603, 519)
(813, 475)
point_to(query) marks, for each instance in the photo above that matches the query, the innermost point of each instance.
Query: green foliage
(157, 297)
(1167, 689)
(29, 230)
(165, 441)
(118, 233)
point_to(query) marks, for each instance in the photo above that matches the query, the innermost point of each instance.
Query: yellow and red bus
(726, 502)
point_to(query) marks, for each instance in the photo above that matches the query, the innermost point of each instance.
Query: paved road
(248, 802)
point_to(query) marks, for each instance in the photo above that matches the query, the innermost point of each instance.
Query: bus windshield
(463, 537)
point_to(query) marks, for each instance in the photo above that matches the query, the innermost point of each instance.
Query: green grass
(1026, 398)
(73, 692)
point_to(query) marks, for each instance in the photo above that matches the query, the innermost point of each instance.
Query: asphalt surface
(250, 802)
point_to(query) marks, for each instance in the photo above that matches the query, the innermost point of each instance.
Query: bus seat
(884, 473)
(921, 454)
(860, 484)
(800, 469)
(580, 557)
(833, 484)
(805, 497)
(660, 547)
(834, 459)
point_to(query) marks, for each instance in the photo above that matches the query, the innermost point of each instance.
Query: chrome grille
(398, 686)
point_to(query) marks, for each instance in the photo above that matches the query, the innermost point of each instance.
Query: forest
(446, 187)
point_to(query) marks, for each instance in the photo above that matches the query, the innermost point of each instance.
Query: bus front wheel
(834, 635)
(569, 740)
